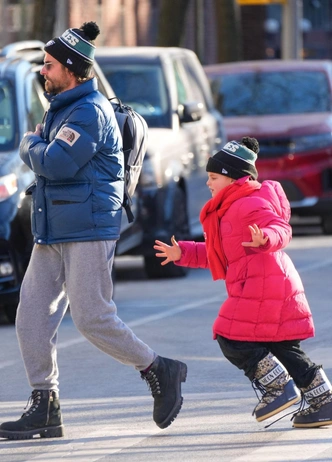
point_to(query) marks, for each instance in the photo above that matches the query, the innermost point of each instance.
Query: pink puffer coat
(266, 300)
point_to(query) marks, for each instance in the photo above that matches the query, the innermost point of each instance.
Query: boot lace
(153, 383)
(299, 409)
(311, 408)
(257, 386)
(32, 403)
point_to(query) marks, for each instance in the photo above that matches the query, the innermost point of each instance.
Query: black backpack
(134, 131)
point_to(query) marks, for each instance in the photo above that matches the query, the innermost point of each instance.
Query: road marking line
(314, 266)
(135, 323)
(147, 319)
(7, 363)
(99, 444)
(173, 311)
(286, 447)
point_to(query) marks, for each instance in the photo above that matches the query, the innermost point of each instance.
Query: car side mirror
(190, 112)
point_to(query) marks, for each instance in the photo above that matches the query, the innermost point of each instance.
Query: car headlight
(8, 186)
(309, 142)
(6, 268)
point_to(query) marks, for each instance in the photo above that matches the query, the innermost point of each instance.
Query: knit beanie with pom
(74, 49)
(236, 159)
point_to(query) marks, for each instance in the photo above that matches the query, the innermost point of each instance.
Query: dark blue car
(22, 106)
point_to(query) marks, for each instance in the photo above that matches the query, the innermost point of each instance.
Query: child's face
(216, 182)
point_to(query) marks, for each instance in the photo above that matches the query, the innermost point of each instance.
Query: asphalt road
(107, 408)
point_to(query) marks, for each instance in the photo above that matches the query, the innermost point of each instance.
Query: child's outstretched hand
(257, 237)
(170, 252)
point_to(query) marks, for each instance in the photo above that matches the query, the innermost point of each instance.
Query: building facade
(135, 23)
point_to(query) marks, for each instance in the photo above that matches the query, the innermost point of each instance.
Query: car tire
(154, 270)
(10, 311)
(179, 226)
(327, 224)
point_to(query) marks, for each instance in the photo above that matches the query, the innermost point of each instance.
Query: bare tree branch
(228, 30)
(44, 20)
(171, 22)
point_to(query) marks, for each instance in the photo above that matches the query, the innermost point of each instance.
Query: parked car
(22, 106)
(183, 132)
(169, 88)
(287, 106)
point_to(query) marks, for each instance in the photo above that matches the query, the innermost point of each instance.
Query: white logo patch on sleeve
(68, 135)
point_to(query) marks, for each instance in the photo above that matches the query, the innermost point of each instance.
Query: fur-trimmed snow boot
(319, 397)
(277, 387)
(164, 379)
(41, 416)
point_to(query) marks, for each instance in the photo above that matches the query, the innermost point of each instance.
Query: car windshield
(267, 93)
(7, 116)
(142, 87)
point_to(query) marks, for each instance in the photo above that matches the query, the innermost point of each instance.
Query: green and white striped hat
(236, 159)
(74, 49)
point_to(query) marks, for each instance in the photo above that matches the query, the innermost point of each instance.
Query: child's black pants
(246, 356)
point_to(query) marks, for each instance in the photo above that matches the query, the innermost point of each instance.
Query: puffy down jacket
(78, 162)
(266, 300)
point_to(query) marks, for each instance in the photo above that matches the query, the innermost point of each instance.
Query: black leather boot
(164, 380)
(42, 416)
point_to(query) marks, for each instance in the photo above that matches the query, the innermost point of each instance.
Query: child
(266, 315)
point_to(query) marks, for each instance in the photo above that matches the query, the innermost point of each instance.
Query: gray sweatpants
(78, 273)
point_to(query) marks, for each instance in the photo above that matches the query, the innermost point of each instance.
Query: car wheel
(179, 226)
(10, 311)
(154, 270)
(327, 224)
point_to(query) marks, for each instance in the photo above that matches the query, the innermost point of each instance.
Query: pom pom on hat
(236, 159)
(74, 49)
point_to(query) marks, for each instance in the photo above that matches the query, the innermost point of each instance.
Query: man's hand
(257, 237)
(38, 131)
(170, 252)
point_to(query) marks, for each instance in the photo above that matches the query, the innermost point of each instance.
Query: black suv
(169, 88)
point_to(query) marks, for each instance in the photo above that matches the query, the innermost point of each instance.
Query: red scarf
(210, 217)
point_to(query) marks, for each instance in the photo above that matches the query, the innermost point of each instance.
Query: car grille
(275, 147)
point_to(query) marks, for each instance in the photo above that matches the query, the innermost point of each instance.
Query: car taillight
(8, 186)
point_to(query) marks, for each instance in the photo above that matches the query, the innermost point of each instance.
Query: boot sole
(181, 376)
(279, 409)
(47, 432)
(313, 424)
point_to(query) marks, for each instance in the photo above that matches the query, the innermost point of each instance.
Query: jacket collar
(67, 97)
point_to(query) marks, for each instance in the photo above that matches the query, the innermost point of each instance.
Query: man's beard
(52, 88)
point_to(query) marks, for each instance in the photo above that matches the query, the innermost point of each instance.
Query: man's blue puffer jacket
(78, 162)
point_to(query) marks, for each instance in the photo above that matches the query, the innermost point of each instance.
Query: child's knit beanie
(236, 159)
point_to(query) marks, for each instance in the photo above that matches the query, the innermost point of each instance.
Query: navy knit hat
(74, 49)
(236, 159)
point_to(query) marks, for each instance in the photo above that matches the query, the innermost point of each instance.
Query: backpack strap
(127, 202)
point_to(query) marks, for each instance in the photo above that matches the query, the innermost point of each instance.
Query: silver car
(169, 88)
